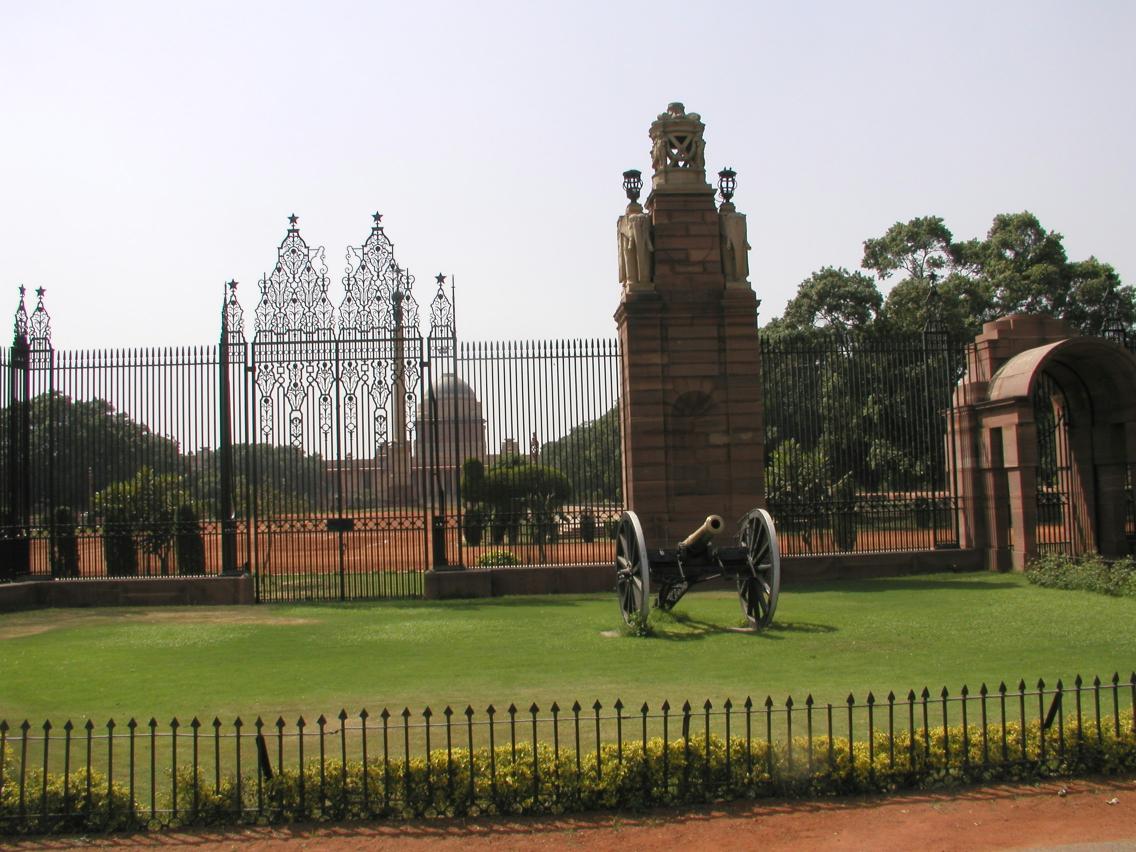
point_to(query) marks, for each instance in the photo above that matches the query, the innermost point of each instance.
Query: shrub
(845, 514)
(1089, 573)
(587, 528)
(473, 480)
(80, 801)
(923, 514)
(118, 545)
(493, 558)
(64, 544)
(473, 526)
(796, 486)
(189, 545)
(639, 625)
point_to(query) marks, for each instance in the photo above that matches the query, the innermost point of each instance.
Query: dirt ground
(1083, 814)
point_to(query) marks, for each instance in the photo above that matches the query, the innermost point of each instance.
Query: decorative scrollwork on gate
(232, 317)
(378, 300)
(442, 331)
(20, 325)
(342, 384)
(293, 297)
(39, 326)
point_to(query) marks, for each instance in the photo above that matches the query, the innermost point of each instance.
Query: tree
(145, 504)
(959, 305)
(1018, 267)
(472, 489)
(590, 456)
(288, 480)
(840, 300)
(922, 247)
(796, 486)
(79, 447)
(1097, 298)
(1024, 265)
(518, 490)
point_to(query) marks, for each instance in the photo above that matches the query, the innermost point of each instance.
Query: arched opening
(1047, 445)
(1065, 523)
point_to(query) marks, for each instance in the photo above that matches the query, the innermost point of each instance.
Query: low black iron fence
(538, 760)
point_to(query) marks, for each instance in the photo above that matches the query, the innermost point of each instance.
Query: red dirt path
(1001, 817)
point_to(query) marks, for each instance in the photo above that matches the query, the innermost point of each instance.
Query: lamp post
(727, 183)
(633, 184)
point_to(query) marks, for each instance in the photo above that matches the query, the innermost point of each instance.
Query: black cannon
(755, 564)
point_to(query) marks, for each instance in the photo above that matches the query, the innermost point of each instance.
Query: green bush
(923, 512)
(189, 545)
(64, 544)
(118, 545)
(587, 528)
(494, 558)
(844, 514)
(81, 801)
(473, 526)
(1089, 573)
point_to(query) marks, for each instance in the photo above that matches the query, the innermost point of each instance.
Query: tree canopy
(1019, 266)
(80, 447)
(589, 455)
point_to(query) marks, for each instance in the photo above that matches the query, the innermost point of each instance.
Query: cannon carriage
(754, 563)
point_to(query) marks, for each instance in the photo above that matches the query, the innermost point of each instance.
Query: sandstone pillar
(693, 441)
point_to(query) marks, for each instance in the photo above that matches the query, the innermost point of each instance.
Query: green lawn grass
(830, 640)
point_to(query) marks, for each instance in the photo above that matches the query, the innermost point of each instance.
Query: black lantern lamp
(1113, 329)
(632, 184)
(727, 183)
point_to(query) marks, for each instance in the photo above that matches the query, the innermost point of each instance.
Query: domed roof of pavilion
(448, 390)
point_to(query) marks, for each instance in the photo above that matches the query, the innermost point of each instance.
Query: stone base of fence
(519, 580)
(581, 579)
(127, 591)
(863, 566)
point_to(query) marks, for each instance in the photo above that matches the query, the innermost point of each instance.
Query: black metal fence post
(225, 510)
(15, 558)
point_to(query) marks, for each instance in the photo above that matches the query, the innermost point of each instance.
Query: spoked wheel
(758, 589)
(632, 570)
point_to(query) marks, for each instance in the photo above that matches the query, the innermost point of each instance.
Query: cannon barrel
(697, 542)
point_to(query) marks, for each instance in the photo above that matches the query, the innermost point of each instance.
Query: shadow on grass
(694, 628)
(451, 604)
(883, 584)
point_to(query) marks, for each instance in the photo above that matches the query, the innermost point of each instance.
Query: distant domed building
(456, 411)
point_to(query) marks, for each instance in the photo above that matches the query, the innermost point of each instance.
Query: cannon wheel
(758, 590)
(632, 569)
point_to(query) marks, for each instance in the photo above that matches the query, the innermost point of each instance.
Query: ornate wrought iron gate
(341, 494)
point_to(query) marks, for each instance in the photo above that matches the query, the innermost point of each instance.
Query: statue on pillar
(635, 247)
(678, 150)
(735, 245)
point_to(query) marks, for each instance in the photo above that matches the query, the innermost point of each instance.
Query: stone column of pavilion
(693, 441)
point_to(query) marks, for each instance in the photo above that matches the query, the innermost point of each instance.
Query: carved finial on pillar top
(678, 150)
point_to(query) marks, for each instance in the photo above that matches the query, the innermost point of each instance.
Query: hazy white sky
(149, 151)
